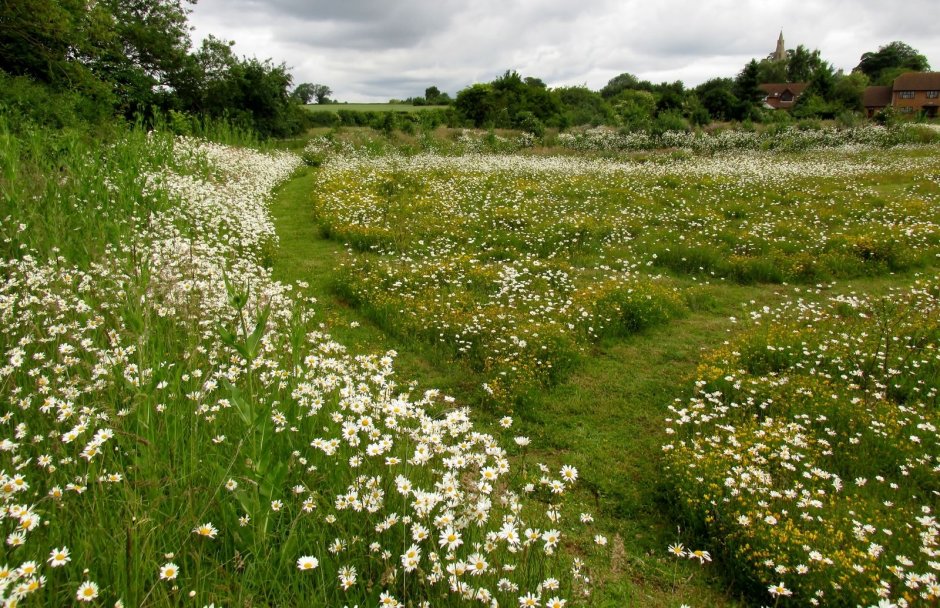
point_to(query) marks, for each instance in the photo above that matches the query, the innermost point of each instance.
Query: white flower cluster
(178, 352)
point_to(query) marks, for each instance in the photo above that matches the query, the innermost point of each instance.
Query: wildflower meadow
(179, 427)
(516, 263)
(180, 431)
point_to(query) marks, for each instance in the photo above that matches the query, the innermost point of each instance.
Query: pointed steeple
(781, 53)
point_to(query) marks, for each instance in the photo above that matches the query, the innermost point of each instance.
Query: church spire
(781, 53)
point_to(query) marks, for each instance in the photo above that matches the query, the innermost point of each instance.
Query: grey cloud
(374, 50)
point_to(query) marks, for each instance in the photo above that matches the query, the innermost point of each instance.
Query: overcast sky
(373, 50)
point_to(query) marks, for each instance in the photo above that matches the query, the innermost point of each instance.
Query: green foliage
(498, 103)
(746, 90)
(802, 64)
(132, 58)
(635, 109)
(889, 61)
(670, 120)
(303, 92)
(475, 104)
(321, 93)
(772, 70)
(717, 96)
(621, 83)
(27, 102)
(529, 123)
(434, 96)
(581, 106)
(848, 91)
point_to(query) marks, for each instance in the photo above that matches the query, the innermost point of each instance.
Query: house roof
(776, 89)
(918, 81)
(876, 97)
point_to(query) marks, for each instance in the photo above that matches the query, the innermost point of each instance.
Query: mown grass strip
(606, 417)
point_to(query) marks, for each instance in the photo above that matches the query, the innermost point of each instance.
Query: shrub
(529, 123)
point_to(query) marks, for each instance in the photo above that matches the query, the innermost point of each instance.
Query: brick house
(875, 99)
(782, 95)
(916, 92)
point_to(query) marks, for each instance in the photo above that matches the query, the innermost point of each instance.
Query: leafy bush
(529, 123)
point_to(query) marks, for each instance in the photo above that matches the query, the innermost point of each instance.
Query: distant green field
(370, 107)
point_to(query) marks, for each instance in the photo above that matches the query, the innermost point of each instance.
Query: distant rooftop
(918, 81)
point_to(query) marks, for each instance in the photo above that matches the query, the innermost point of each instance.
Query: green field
(467, 368)
(370, 107)
(579, 295)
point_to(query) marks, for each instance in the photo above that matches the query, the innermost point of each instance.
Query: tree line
(514, 101)
(134, 58)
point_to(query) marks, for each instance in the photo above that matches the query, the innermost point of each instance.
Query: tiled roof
(775, 89)
(918, 81)
(876, 97)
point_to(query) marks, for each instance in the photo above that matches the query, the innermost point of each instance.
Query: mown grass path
(606, 418)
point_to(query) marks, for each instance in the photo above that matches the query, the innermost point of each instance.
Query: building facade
(916, 92)
(781, 95)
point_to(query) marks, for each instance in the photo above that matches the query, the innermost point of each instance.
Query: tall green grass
(168, 407)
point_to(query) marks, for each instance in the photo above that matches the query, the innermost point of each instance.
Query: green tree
(36, 37)
(849, 89)
(475, 104)
(433, 96)
(670, 96)
(322, 93)
(499, 102)
(891, 60)
(624, 82)
(55, 41)
(718, 98)
(770, 70)
(147, 53)
(431, 93)
(203, 85)
(261, 95)
(635, 108)
(802, 64)
(582, 106)
(818, 100)
(745, 85)
(303, 92)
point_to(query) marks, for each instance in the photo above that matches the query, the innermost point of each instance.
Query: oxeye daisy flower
(528, 600)
(450, 539)
(15, 539)
(347, 577)
(677, 549)
(27, 569)
(59, 557)
(569, 474)
(307, 562)
(477, 564)
(387, 600)
(778, 590)
(207, 530)
(87, 592)
(169, 571)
